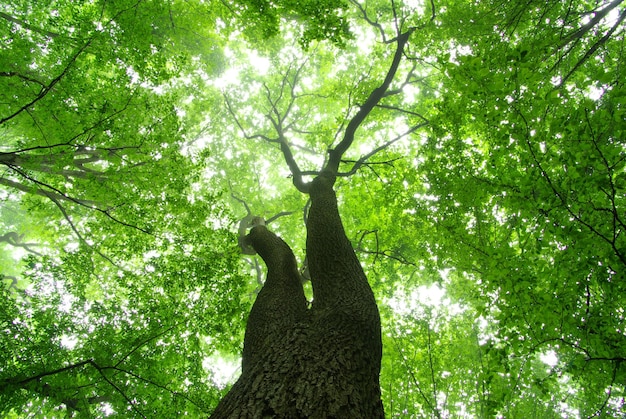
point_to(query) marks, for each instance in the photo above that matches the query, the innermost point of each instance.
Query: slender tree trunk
(317, 363)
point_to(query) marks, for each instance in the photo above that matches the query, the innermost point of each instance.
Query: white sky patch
(411, 92)
(223, 371)
(549, 358)
(69, 342)
(107, 409)
(260, 64)
(595, 93)
(432, 295)
(72, 247)
(414, 4)
(231, 76)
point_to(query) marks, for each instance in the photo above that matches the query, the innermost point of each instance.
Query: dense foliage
(485, 196)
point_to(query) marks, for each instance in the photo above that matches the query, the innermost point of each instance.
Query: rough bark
(318, 363)
(280, 303)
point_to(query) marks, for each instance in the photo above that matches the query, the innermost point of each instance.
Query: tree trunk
(318, 363)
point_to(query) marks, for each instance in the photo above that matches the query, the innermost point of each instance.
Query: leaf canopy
(484, 194)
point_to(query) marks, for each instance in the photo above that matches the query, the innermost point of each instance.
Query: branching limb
(611, 241)
(45, 90)
(373, 100)
(370, 21)
(406, 111)
(259, 273)
(360, 248)
(369, 165)
(277, 216)
(28, 26)
(598, 15)
(52, 192)
(406, 82)
(408, 366)
(80, 236)
(48, 194)
(432, 8)
(247, 221)
(15, 240)
(13, 279)
(247, 136)
(363, 160)
(132, 404)
(618, 222)
(16, 382)
(21, 76)
(244, 224)
(144, 342)
(595, 47)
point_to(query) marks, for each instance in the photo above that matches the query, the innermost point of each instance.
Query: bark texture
(323, 362)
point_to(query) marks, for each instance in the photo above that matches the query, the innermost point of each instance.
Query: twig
(44, 91)
(80, 237)
(58, 193)
(364, 159)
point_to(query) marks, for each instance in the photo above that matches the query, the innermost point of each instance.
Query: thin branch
(597, 17)
(21, 187)
(373, 99)
(58, 193)
(21, 76)
(144, 342)
(371, 22)
(80, 236)
(101, 370)
(395, 108)
(408, 368)
(385, 253)
(232, 112)
(28, 26)
(112, 384)
(259, 274)
(280, 214)
(395, 17)
(599, 411)
(25, 381)
(15, 240)
(594, 48)
(432, 368)
(152, 383)
(609, 170)
(240, 200)
(563, 200)
(432, 7)
(357, 165)
(45, 90)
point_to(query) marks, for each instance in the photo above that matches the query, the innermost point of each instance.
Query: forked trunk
(318, 363)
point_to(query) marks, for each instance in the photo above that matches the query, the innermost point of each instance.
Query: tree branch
(371, 22)
(594, 47)
(364, 159)
(597, 17)
(28, 26)
(56, 193)
(374, 98)
(566, 205)
(47, 194)
(45, 90)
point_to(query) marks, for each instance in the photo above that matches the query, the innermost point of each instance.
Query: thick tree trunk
(280, 303)
(317, 363)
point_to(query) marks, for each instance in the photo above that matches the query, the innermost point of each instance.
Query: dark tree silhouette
(317, 363)
(322, 362)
